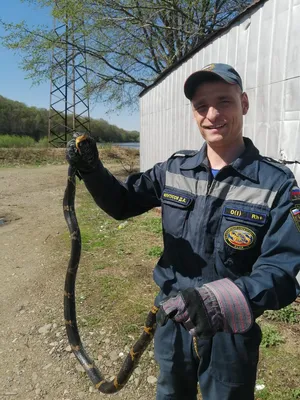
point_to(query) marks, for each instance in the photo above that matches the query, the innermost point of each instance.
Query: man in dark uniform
(231, 242)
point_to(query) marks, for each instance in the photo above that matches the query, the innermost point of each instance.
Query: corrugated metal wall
(265, 48)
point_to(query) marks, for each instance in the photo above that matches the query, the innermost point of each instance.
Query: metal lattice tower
(69, 102)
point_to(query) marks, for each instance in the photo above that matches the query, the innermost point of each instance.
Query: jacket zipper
(210, 187)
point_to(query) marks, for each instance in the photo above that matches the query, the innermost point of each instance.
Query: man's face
(218, 109)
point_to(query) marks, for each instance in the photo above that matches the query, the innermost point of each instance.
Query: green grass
(152, 224)
(8, 141)
(155, 251)
(21, 151)
(288, 394)
(115, 273)
(14, 141)
(288, 315)
(99, 267)
(271, 336)
(43, 143)
(296, 393)
(279, 372)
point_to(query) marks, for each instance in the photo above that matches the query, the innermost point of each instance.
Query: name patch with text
(178, 199)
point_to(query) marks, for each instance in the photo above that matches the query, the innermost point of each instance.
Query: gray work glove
(82, 153)
(187, 308)
(218, 306)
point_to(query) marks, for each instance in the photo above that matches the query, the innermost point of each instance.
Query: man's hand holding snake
(82, 153)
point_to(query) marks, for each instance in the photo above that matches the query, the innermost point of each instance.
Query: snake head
(79, 139)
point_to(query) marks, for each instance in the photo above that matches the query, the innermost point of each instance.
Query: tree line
(17, 118)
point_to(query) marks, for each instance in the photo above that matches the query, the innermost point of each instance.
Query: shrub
(8, 141)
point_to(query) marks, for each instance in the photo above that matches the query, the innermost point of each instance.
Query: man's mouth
(215, 126)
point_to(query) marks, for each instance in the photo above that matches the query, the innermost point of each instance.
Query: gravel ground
(36, 361)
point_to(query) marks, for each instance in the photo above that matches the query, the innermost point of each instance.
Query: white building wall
(264, 47)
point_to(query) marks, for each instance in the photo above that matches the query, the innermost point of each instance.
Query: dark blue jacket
(237, 225)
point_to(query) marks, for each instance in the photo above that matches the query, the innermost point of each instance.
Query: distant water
(132, 145)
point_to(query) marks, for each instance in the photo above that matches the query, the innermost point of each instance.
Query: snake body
(87, 363)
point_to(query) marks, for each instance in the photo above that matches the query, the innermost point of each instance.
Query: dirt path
(35, 358)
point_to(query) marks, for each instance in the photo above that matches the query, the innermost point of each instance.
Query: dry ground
(35, 360)
(32, 281)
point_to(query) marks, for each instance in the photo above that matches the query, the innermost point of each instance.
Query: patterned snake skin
(138, 348)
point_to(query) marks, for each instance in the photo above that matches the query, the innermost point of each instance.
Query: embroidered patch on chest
(180, 200)
(240, 237)
(295, 213)
(295, 194)
(258, 217)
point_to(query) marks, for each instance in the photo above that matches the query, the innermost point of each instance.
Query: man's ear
(245, 103)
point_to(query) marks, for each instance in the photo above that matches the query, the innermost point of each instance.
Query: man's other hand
(218, 306)
(187, 308)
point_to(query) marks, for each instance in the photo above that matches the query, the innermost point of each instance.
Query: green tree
(128, 43)
(18, 119)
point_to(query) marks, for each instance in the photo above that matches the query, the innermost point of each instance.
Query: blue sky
(13, 82)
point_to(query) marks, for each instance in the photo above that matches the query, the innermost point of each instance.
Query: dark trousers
(225, 366)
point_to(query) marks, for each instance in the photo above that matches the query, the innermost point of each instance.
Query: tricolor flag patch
(295, 194)
(295, 213)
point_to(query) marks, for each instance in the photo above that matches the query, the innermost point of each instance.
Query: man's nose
(212, 113)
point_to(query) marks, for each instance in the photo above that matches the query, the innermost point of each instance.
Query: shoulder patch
(295, 194)
(295, 213)
(184, 153)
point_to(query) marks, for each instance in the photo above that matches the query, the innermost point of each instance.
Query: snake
(136, 351)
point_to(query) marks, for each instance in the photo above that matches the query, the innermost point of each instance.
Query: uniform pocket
(234, 357)
(240, 234)
(164, 341)
(176, 206)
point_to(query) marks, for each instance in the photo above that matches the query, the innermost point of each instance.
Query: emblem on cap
(240, 237)
(209, 67)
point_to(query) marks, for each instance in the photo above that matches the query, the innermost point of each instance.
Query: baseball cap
(223, 71)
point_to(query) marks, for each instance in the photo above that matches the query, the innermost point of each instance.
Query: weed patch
(271, 336)
(152, 224)
(289, 315)
(155, 251)
(288, 394)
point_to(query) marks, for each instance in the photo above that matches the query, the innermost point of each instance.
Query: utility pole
(69, 109)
